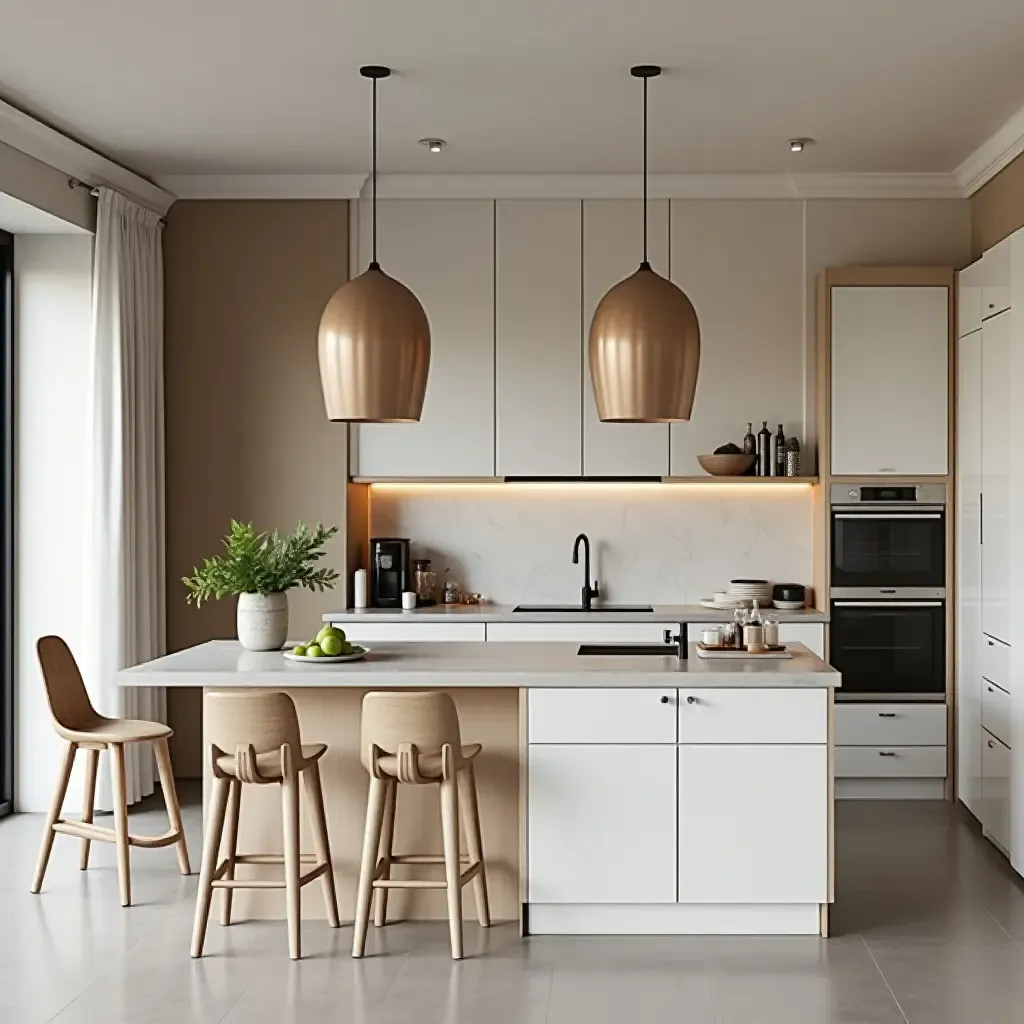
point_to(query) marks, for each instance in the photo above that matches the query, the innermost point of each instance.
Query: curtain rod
(94, 191)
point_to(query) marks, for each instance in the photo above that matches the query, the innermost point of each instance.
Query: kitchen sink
(664, 650)
(624, 608)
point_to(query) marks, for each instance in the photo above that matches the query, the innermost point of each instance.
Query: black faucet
(589, 592)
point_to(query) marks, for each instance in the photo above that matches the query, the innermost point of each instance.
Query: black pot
(789, 592)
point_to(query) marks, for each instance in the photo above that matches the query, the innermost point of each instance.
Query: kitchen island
(619, 794)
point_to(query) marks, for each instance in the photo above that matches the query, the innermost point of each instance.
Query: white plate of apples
(329, 647)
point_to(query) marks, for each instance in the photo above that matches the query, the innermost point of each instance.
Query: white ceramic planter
(262, 621)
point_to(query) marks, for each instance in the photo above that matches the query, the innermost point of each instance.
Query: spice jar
(424, 582)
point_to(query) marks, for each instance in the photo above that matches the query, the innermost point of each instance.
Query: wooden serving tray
(733, 653)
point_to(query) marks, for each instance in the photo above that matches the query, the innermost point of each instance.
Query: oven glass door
(888, 549)
(890, 648)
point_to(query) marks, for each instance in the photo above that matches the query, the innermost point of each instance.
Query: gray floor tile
(929, 923)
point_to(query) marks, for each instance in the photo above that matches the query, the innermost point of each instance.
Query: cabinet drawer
(414, 632)
(890, 762)
(753, 716)
(902, 725)
(602, 716)
(578, 632)
(995, 712)
(995, 662)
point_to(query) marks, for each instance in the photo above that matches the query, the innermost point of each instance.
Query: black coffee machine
(390, 571)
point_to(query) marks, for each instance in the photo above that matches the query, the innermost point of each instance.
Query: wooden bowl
(726, 465)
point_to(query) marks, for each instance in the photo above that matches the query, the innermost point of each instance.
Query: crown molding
(999, 149)
(876, 186)
(264, 186)
(564, 186)
(37, 140)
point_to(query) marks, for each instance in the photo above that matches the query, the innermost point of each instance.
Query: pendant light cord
(374, 265)
(645, 264)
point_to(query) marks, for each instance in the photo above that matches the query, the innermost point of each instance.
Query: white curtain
(125, 613)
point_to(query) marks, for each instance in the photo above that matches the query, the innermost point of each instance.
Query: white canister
(771, 633)
(262, 621)
(711, 638)
(359, 588)
(408, 600)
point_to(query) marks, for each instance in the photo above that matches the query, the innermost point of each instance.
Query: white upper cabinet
(539, 337)
(444, 251)
(968, 298)
(995, 279)
(996, 337)
(612, 250)
(890, 380)
(968, 567)
(741, 264)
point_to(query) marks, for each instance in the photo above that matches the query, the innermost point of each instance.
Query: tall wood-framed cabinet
(885, 378)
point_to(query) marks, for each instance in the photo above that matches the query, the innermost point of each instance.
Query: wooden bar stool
(413, 738)
(254, 739)
(84, 728)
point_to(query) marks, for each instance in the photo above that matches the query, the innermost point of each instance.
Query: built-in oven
(888, 591)
(889, 649)
(888, 537)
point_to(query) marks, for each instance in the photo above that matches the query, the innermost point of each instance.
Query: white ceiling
(22, 219)
(272, 87)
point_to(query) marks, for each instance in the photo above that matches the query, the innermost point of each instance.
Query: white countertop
(224, 663)
(504, 613)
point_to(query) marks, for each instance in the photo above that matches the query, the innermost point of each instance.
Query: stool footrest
(98, 834)
(219, 882)
(271, 858)
(425, 858)
(422, 883)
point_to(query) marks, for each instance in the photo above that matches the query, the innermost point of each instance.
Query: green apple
(314, 651)
(331, 646)
(330, 631)
(299, 650)
(346, 647)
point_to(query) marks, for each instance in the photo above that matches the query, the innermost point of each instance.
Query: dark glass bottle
(749, 441)
(779, 454)
(764, 450)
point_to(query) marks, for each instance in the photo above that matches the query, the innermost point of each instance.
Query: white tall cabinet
(990, 551)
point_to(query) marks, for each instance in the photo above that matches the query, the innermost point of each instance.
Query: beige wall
(997, 208)
(247, 438)
(45, 187)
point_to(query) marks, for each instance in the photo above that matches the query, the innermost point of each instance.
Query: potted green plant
(259, 568)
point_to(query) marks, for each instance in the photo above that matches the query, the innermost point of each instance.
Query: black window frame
(7, 524)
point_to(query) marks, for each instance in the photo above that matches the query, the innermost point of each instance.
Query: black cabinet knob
(691, 700)
(664, 700)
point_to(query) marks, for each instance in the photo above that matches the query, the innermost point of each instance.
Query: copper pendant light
(374, 340)
(644, 338)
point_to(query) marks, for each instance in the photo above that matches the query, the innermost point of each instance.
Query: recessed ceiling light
(434, 145)
(799, 145)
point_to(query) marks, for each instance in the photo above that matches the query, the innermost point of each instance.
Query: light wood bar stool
(84, 728)
(254, 739)
(413, 738)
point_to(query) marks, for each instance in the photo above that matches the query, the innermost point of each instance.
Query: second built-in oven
(888, 599)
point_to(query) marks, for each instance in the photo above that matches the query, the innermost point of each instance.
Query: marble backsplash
(651, 543)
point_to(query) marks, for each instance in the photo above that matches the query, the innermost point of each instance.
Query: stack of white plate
(752, 590)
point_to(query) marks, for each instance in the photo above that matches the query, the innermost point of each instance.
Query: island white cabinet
(612, 250)
(751, 823)
(444, 251)
(539, 387)
(890, 380)
(730, 812)
(602, 823)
